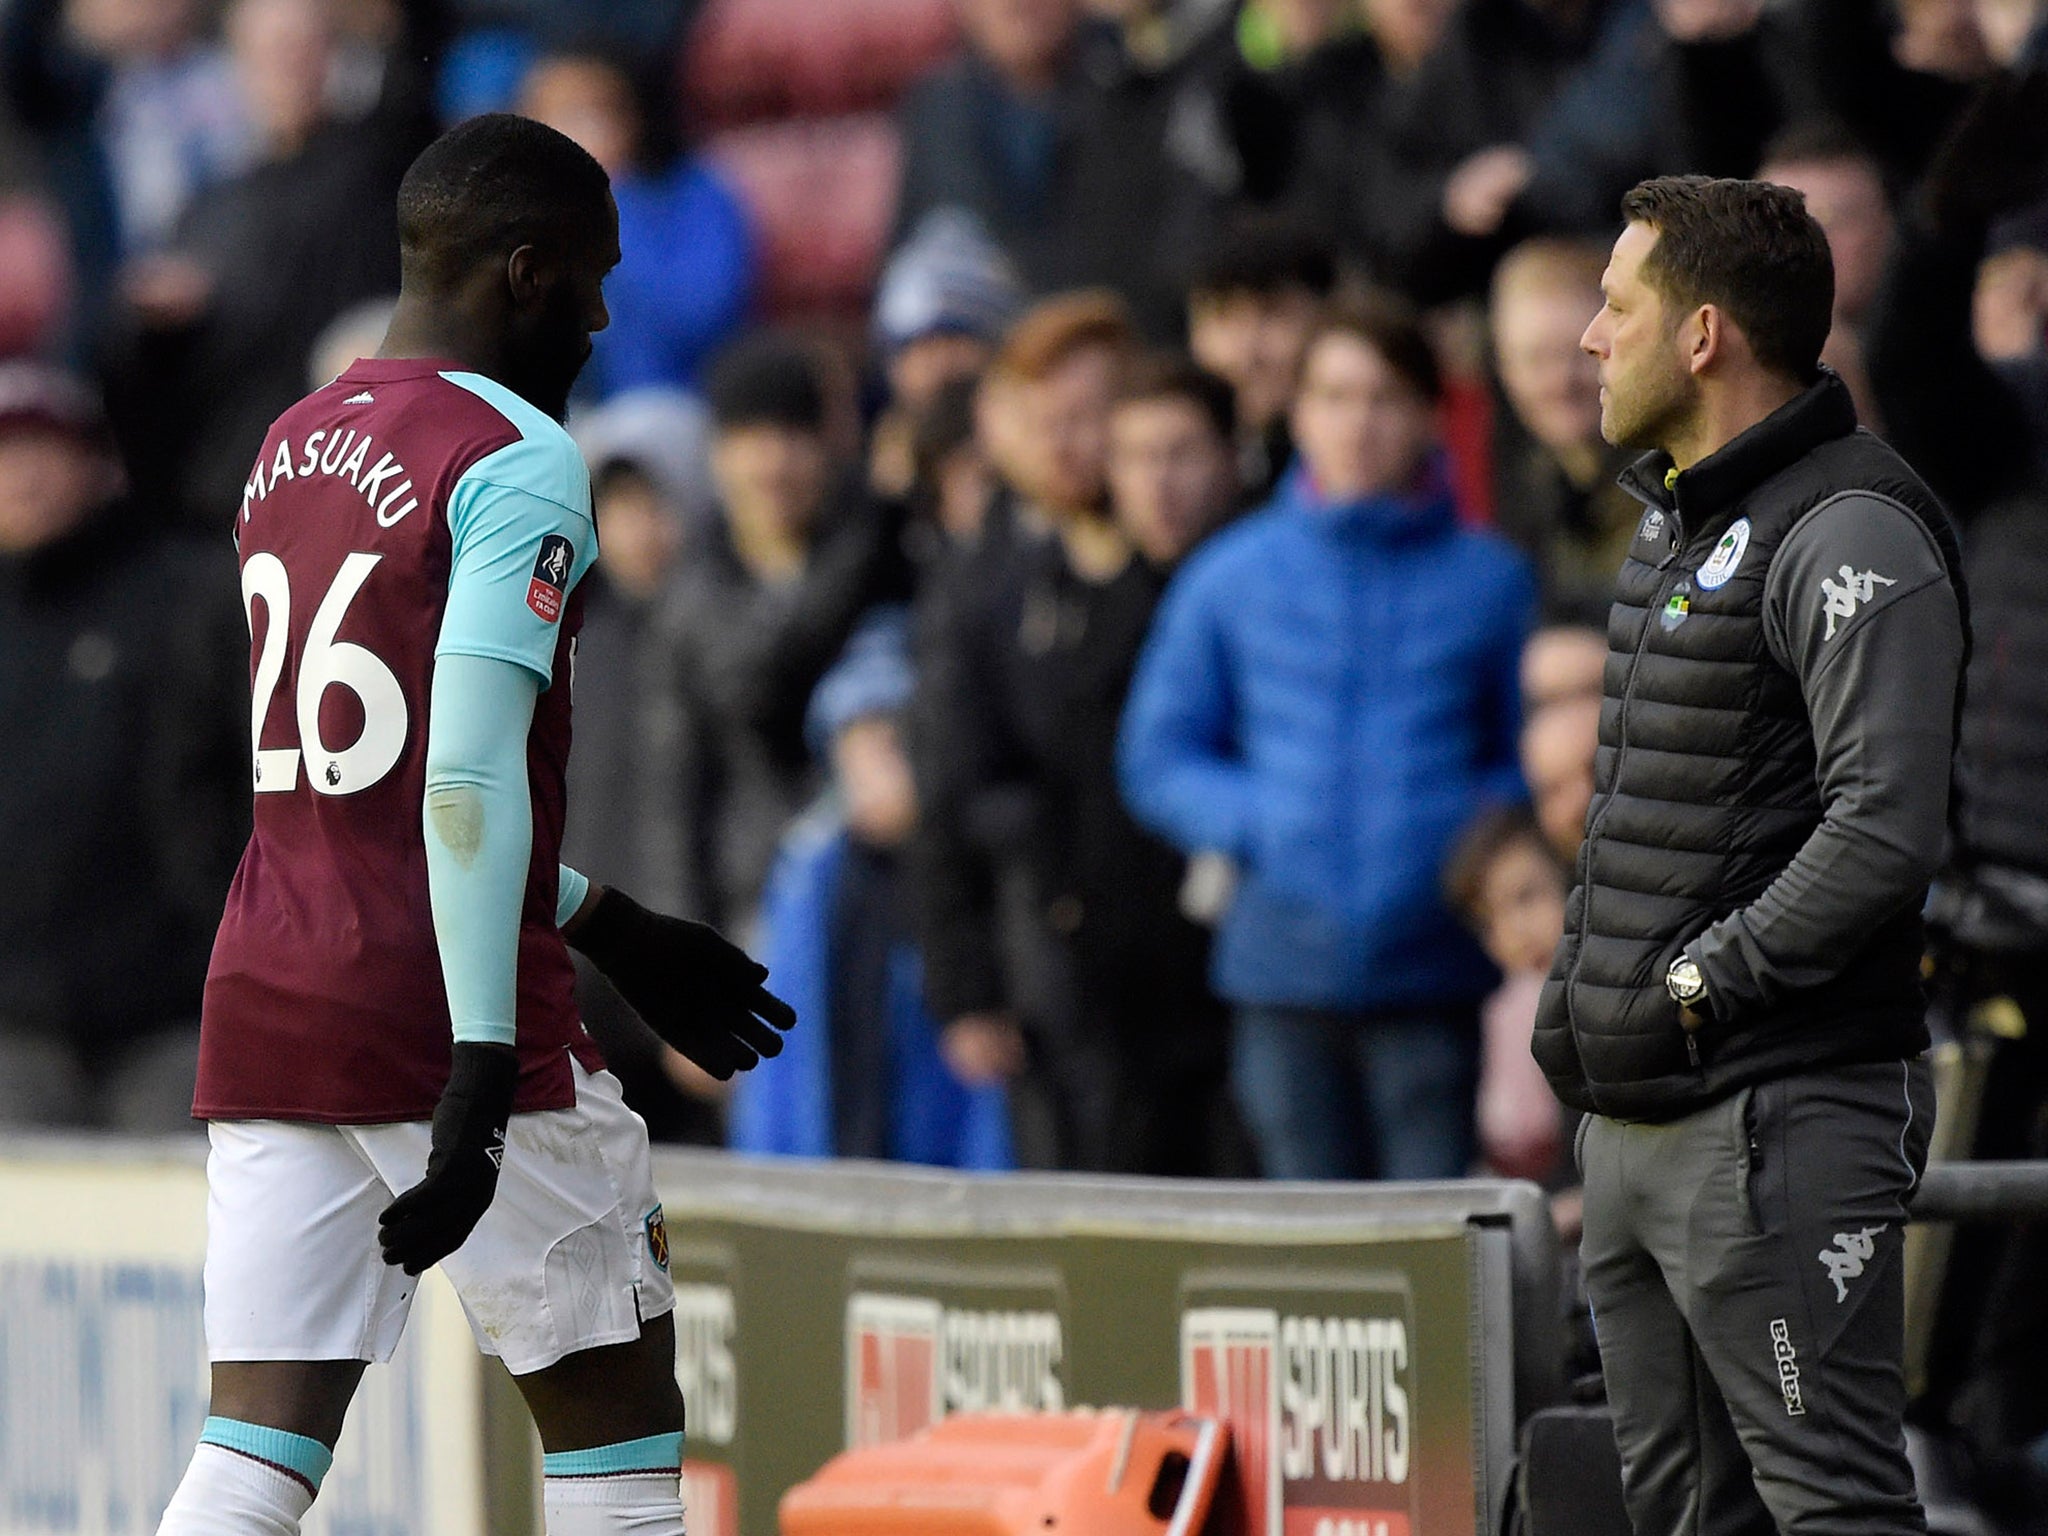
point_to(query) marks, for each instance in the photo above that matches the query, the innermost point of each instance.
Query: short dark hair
(1750, 248)
(767, 379)
(1266, 254)
(487, 187)
(1488, 835)
(1388, 326)
(1176, 376)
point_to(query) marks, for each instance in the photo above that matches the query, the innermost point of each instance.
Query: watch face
(1684, 982)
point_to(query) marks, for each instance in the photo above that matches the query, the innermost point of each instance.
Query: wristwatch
(1684, 982)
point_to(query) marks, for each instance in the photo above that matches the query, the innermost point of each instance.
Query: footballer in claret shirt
(392, 1068)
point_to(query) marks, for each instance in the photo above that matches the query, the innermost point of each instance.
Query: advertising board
(1360, 1340)
(103, 1376)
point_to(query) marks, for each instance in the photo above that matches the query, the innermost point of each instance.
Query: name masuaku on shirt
(344, 455)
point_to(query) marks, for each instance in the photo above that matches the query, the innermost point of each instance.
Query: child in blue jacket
(862, 1075)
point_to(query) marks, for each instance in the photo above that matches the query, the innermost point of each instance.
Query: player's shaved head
(487, 187)
(506, 230)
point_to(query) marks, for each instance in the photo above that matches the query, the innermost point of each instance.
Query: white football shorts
(572, 1254)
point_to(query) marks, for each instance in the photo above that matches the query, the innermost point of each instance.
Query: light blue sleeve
(478, 821)
(571, 887)
(523, 535)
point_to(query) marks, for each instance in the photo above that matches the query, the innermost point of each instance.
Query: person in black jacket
(1737, 1003)
(765, 603)
(1978, 432)
(1353, 94)
(1003, 671)
(1054, 945)
(1897, 75)
(1250, 312)
(1096, 149)
(1172, 132)
(210, 340)
(124, 786)
(1457, 160)
(1670, 85)
(988, 132)
(627, 824)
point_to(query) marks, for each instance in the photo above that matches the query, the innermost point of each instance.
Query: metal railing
(1982, 1192)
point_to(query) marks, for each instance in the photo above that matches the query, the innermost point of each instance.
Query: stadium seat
(756, 60)
(822, 193)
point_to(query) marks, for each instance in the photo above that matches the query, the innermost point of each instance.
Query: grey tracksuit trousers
(1744, 1268)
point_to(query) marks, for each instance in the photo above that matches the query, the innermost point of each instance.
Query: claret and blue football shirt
(406, 510)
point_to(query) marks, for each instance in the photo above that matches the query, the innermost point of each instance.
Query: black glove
(1995, 156)
(435, 1217)
(698, 992)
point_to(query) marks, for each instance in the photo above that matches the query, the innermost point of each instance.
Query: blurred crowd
(1130, 659)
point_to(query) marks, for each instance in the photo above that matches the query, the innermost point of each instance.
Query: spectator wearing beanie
(1328, 695)
(765, 603)
(867, 1079)
(944, 301)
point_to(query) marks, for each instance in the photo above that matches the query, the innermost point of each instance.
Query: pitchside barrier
(1374, 1347)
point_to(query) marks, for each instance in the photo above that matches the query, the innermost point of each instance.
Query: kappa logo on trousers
(1845, 1261)
(1787, 1359)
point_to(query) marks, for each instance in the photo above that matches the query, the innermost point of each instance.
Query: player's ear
(529, 274)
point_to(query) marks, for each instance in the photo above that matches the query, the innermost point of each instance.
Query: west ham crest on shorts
(657, 1238)
(550, 582)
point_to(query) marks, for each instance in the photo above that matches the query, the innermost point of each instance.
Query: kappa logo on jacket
(1845, 1261)
(1842, 599)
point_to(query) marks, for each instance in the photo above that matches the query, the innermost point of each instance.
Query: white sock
(642, 1503)
(225, 1493)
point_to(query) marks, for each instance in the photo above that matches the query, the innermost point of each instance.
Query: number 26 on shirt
(327, 663)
